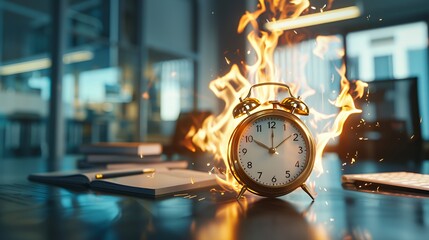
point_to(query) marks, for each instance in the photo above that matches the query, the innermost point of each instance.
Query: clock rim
(253, 186)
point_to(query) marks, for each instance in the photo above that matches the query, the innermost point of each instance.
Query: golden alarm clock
(271, 152)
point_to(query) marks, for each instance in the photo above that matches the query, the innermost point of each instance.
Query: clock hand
(270, 150)
(283, 141)
(272, 137)
(261, 144)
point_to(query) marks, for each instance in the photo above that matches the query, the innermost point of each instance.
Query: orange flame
(214, 135)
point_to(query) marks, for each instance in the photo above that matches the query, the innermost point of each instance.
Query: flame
(215, 132)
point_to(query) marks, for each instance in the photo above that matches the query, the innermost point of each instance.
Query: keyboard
(404, 180)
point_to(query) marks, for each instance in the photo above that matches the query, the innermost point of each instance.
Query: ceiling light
(44, 63)
(314, 19)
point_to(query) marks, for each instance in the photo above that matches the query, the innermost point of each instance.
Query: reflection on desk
(35, 211)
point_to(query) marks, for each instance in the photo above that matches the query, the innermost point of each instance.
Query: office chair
(388, 129)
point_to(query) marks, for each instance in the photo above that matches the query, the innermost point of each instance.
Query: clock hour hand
(270, 150)
(284, 140)
(261, 144)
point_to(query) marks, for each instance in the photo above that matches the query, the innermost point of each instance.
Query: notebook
(139, 149)
(161, 182)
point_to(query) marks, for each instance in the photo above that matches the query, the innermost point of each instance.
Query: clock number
(260, 174)
(249, 138)
(297, 164)
(244, 151)
(271, 124)
(300, 150)
(284, 126)
(288, 174)
(249, 164)
(258, 128)
(274, 179)
(295, 137)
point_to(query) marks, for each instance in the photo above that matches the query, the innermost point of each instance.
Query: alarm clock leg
(240, 194)
(309, 191)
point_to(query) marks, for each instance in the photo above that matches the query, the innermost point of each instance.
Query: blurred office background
(81, 71)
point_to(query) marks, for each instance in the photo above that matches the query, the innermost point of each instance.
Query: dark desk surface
(35, 211)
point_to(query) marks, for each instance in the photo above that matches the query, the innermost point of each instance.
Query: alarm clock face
(272, 149)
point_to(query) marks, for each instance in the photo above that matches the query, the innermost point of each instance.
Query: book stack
(119, 155)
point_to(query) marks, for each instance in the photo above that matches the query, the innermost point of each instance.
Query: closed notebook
(113, 158)
(83, 164)
(123, 148)
(161, 182)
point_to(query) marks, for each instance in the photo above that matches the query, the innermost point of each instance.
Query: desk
(36, 211)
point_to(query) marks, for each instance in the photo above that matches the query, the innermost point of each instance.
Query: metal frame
(55, 129)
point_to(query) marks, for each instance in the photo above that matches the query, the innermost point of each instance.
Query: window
(394, 52)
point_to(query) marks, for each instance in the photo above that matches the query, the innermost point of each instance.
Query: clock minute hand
(283, 141)
(272, 138)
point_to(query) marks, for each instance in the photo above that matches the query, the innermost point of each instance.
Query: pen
(124, 173)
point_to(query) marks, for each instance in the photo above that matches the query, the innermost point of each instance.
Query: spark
(201, 199)
(192, 180)
(313, 7)
(331, 219)
(381, 160)
(180, 194)
(326, 203)
(353, 160)
(381, 19)
(248, 52)
(412, 137)
(227, 60)
(173, 74)
(294, 31)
